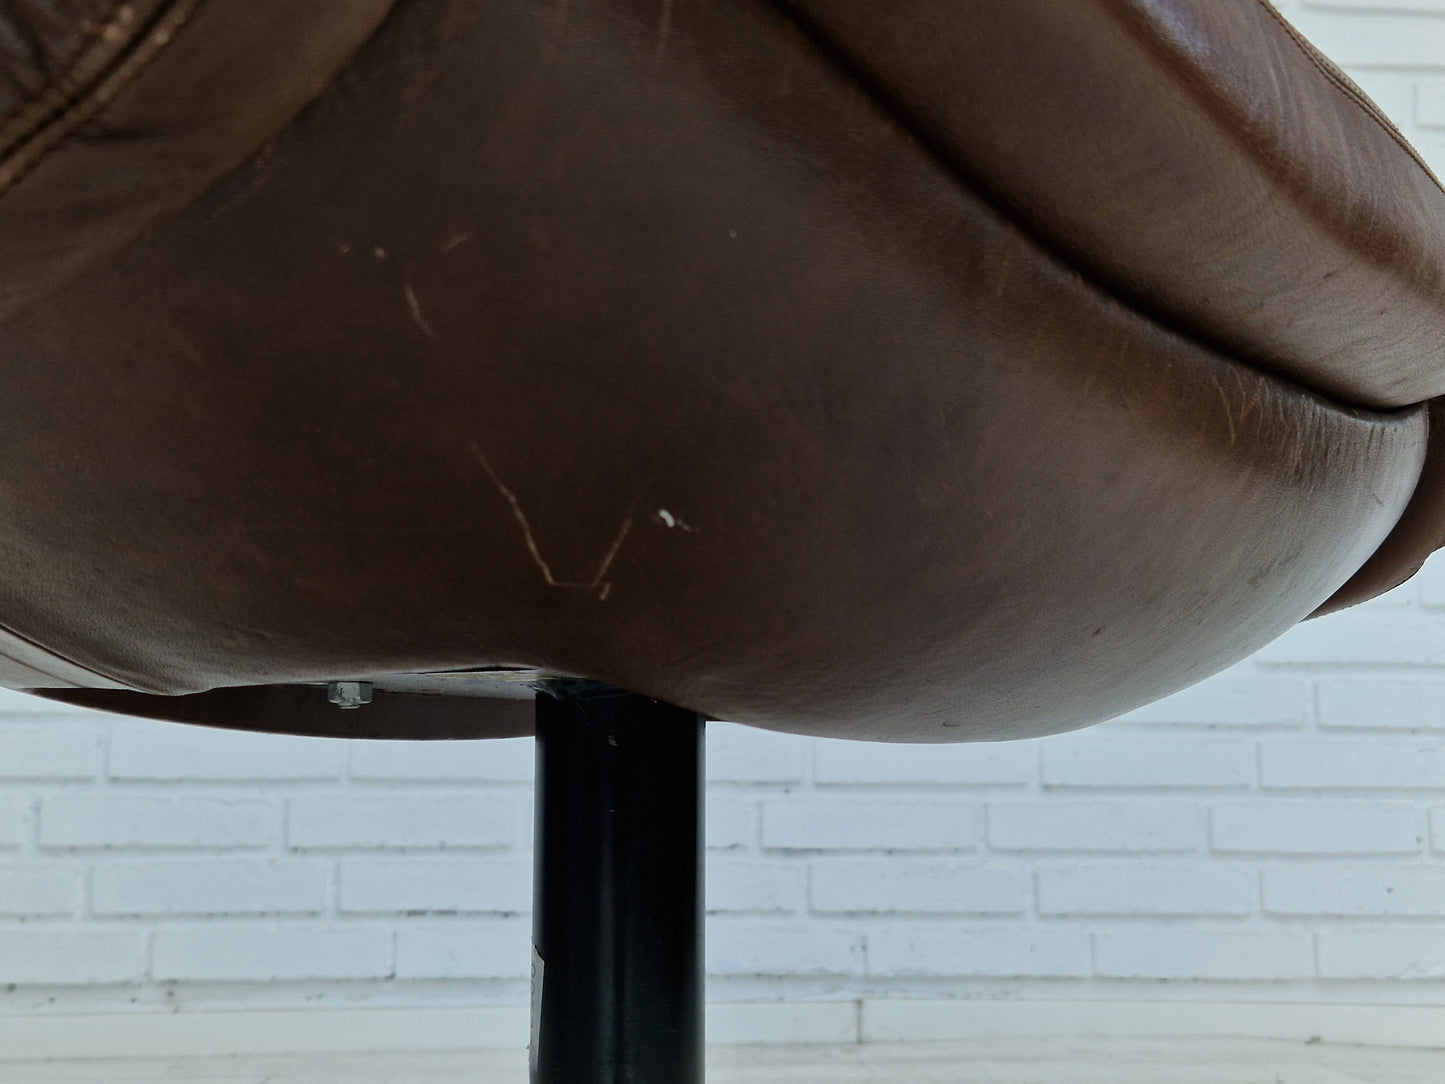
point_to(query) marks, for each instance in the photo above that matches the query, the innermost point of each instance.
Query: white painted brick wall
(939, 950)
(209, 886)
(1317, 827)
(31, 890)
(1146, 888)
(899, 885)
(372, 821)
(1387, 955)
(868, 824)
(246, 952)
(1200, 952)
(422, 885)
(1145, 826)
(478, 951)
(1276, 831)
(115, 821)
(76, 957)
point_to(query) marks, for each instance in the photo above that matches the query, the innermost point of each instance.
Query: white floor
(1064, 1061)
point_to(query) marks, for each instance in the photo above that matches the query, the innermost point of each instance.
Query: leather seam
(117, 66)
(1356, 97)
(53, 88)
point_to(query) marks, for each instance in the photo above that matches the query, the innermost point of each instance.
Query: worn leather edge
(22, 661)
(1418, 533)
(305, 710)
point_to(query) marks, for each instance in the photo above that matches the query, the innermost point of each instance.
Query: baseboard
(140, 1034)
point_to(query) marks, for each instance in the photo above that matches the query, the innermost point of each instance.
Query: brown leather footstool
(932, 371)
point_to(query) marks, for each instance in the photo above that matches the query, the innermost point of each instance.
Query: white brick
(898, 885)
(436, 885)
(1352, 764)
(22, 704)
(1362, 635)
(755, 947)
(1242, 697)
(756, 887)
(1383, 39)
(1430, 101)
(52, 749)
(1135, 826)
(1223, 954)
(495, 949)
(1431, 147)
(1352, 890)
(66, 955)
(1364, 7)
(730, 822)
(219, 886)
(808, 823)
(13, 813)
(166, 751)
(224, 952)
(978, 764)
(504, 760)
(1315, 827)
(744, 754)
(1102, 759)
(32, 889)
(1003, 952)
(376, 821)
(109, 820)
(1383, 703)
(1145, 888)
(1383, 954)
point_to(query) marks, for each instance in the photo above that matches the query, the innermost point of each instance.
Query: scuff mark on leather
(598, 582)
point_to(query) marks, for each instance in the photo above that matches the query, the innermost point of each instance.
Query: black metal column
(617, 989)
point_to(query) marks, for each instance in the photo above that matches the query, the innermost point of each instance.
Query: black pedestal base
(617, 990)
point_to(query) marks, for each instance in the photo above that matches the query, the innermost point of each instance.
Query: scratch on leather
(597, 583)
(1228, 406)
(664, 27)
(414, 307)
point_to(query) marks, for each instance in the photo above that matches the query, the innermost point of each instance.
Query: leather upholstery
(751, 357)
(1200, 160)
(116, 115)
